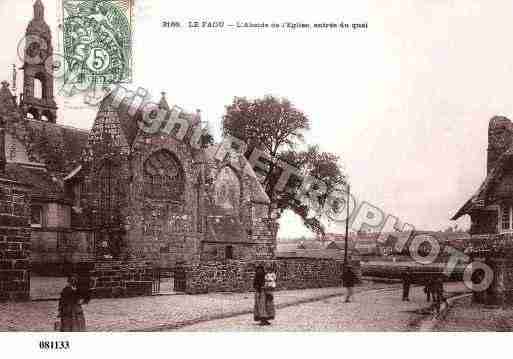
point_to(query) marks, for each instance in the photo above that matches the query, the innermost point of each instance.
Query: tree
(323, 166)
(270, 123)
(276, 127)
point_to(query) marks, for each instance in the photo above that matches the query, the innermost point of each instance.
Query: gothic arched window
(164, 177)
(227, 189)
(107, 185)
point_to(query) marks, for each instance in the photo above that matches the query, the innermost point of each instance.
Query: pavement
(155, 312)
(377, 307)
(372, 310)
(466, 316)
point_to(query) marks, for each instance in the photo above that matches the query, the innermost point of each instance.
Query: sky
(404, 103)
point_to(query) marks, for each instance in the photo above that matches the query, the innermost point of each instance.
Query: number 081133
(54, 345)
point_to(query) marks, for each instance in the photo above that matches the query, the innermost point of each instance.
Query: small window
(229, 252)
(38, 88)
(506, 217)
(36, 216)
(12, 152)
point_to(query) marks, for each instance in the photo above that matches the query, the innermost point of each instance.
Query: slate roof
(70, 140)
(8, 107)
(311, 245)
(129, 122)
(285, 246)
(478, 199)
(312, 253)
(45, 187)
(332, 237)
(335, 246)
(45, 137)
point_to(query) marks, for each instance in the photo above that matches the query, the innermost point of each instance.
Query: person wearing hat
(348, 281)
(406, 286)
(71, 313)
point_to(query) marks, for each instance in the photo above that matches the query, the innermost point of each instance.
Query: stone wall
(237, 276)
(501, 289)
(53, 249)
(14, 263)
(119, 279)
(14, 242)
(484, 222)
(218, 251)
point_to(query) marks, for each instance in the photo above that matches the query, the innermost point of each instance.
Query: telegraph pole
(347, 224)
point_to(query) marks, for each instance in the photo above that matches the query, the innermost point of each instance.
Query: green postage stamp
(97, 41)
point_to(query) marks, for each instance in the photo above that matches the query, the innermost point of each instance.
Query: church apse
(164, 225)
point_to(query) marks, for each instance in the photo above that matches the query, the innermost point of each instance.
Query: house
(312, 249)
(311, 245)
(491, 207)
(335, 245)
(312, 254)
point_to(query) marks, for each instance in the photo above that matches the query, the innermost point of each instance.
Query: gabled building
(333, 245)
(491, 207)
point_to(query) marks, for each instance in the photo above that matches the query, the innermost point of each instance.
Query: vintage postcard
(258, 167)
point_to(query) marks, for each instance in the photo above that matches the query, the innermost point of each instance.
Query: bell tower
(38, 100)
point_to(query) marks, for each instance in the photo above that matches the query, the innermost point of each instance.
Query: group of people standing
(433, 288)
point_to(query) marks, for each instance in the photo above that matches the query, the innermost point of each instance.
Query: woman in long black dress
(264, 305)
(70, 306)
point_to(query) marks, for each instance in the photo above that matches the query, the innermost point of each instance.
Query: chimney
(3, 160)
(500, 138)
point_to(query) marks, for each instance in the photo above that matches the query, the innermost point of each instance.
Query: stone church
(117, 192)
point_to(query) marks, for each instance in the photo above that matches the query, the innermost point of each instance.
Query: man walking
(428, 288)
(438, 293)
(406, 286)
(348, 281)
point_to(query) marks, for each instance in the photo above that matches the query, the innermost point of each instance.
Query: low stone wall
(15, 234)
(14, 263)
(419, 273)
(501, 289)
(237, 276)
(108, 279)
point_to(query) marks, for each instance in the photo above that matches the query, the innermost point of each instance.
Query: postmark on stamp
(97, 39)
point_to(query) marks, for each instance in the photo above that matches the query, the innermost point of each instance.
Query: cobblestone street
(467, 316)
(375, 310)
(143, 313)
(376, 307)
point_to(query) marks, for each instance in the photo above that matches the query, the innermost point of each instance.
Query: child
(270, 280)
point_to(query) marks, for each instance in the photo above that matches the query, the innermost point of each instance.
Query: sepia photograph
(207, 168)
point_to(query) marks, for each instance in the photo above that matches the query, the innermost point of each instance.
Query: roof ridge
(60, 125)
(476, 197)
